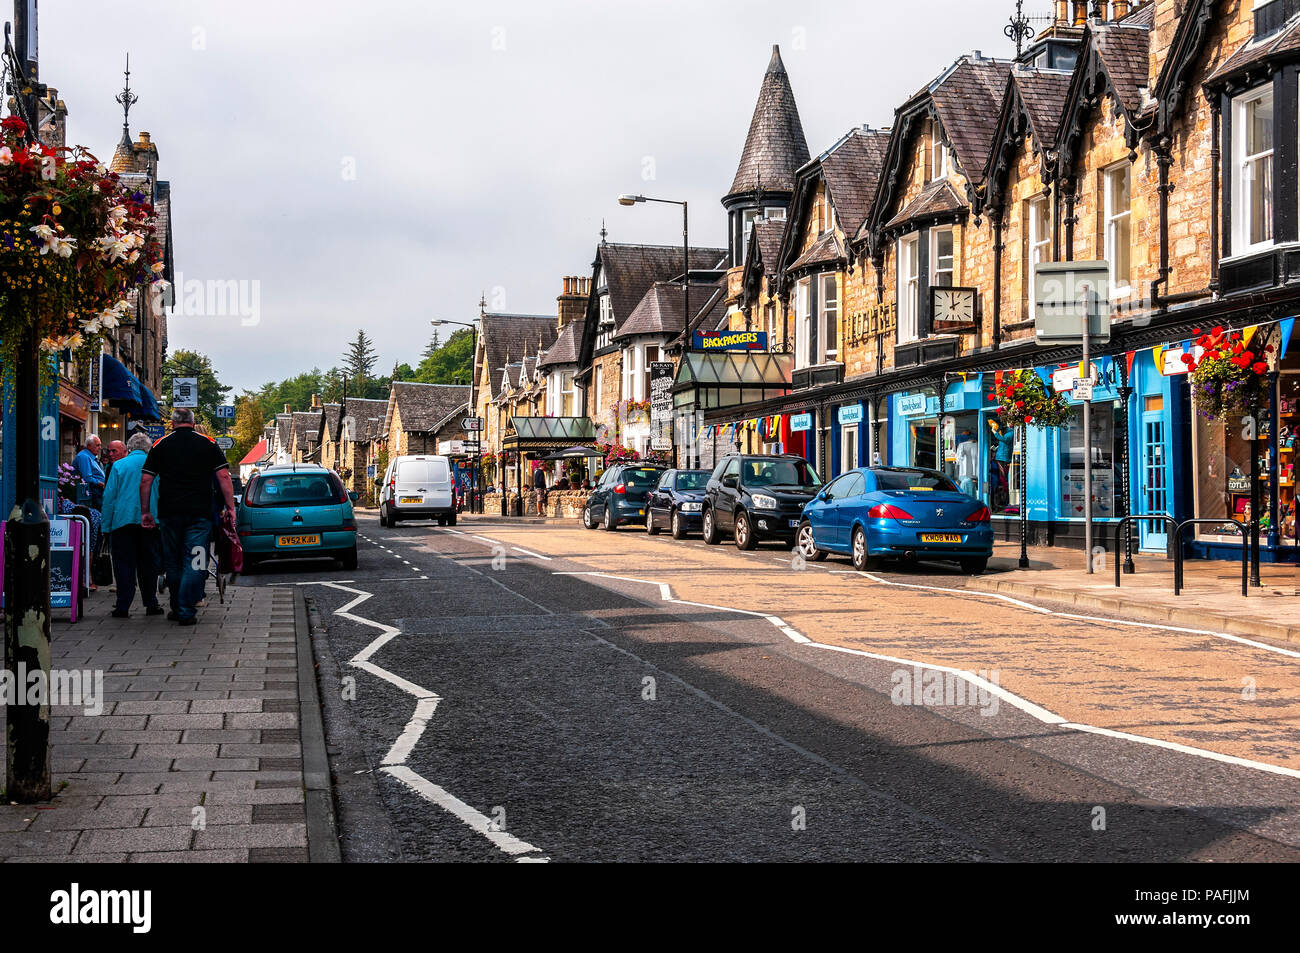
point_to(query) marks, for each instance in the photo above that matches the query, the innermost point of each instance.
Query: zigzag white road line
(394, 762)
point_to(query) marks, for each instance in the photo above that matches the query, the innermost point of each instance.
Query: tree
(359, 359)
(294, 391)
(249, 423)
(435, 342)
(212, 392)
(452, 363)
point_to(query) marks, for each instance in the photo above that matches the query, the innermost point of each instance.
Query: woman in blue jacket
(135, 549)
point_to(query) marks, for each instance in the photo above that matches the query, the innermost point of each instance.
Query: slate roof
(1286, 40)
(827, 248)
(304, 426)
(425, 407)
(660, 311)
(283, 428)
(768, 235)
(364, 410)
(967, 99)
(507, 337)
(775, 146)
(852, 171)
(629, 271)
(937, 198)
(1124, 49)
(565, 348)
(330, 413)
(1043, 93)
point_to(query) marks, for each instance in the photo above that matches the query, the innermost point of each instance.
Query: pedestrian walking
(539, 486)
(135, 549)
(92, 474)
(186, 462)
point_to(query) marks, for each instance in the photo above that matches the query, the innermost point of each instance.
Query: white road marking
(529, 552)
(1187, 749)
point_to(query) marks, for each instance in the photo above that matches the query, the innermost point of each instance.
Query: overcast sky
(376, 164)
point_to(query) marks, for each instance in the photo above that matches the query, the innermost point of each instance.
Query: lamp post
(475, 488)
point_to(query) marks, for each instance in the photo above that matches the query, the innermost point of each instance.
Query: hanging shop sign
(912, 405)
(96, 383)
(731, 340)
(851, 414)
(185, 392)
(800, 422)
(661, 405)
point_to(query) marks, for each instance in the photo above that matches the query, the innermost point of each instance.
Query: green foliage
(294, 391)
(249, 423)
(451, 363)
(359, 359)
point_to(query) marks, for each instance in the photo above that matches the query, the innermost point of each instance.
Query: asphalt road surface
(529, 693)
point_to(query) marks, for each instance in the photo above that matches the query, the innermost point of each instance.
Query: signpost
(225, 443)
(225, 411)
(1069, 307)
(471, 424)
(185, 392)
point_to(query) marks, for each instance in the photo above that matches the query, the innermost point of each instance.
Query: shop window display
(1107, 423)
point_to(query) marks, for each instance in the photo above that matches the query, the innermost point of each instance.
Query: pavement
(1210, 598)
(536, 692)
(198, 753)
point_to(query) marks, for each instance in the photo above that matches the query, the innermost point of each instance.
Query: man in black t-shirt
(186, 462)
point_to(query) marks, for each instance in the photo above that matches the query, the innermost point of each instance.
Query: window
(1253, 202)
(1118, 237)
(651, 355)
(941, 258)
(939, 155)
(802, 324)
(829, 327)
(597, 380)
(567, 395)
(769, 324)
(908, 288)
(605, 327)
(765, 471)
(1040, 242)
(631, 372)
(692, 479)
(891, 478)
(848, 447)
(1107, 426)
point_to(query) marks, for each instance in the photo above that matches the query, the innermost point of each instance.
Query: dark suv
(620, 495)
(756, 497)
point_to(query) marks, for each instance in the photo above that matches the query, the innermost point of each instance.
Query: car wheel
(451, 520)
(974, 565)
(442, 521)
(587, 521)
(806, 545)
(650, 526)
(349, 558)
(383, 516)
(608, 522)
(744, 532)
(679, 527)
(710, 531)
(863, 562)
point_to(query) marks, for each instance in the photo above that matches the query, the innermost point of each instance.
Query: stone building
(501, 339)
(418, 416)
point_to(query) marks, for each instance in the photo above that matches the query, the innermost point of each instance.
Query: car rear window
(692, 479)
(913, 479)
(292, 489)
(761, 471)
(422, 471)
(641, 477)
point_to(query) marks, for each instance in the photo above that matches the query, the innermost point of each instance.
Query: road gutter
(318, 794)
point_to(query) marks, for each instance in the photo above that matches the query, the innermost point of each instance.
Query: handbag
(101, 569)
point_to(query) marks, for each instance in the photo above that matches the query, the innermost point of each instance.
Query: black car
(758, 496)
(619, 496)
(677, 502)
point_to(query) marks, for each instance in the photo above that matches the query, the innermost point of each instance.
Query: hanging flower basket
(1229, 377)
(74, 244)
(617, 453)
(1023, 398)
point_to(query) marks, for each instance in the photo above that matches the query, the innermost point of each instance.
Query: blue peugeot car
(876, 513)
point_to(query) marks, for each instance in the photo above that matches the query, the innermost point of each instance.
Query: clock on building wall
(952, 310)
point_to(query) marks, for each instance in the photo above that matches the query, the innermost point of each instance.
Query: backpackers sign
(731, 340)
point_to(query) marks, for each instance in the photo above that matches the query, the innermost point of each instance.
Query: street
(542, 692)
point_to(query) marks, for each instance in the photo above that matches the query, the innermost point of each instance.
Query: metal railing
(1177, 539)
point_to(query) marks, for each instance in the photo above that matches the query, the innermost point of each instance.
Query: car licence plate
(411, 499)
(794, 524)
(312, 540)
(941, 537)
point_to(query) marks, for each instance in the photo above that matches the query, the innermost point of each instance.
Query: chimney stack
(572, 302)
(315, 401)
(1119, 9)
(288, 409)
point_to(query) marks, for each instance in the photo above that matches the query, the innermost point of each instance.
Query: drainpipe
(1070, 218)
(1215, 118)
(1056, 221)
(996, 216)
(1163, 161)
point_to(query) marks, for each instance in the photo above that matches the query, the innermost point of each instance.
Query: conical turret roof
(775, 146)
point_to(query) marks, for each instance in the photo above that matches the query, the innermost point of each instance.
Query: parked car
(417, 487)
(877, 513)
(620, 495)
(677, 502)
(297, 511)
(757, 497)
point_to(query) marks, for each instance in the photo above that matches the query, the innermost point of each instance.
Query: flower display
(74, 244)
(1023, 398)
(1228, 377)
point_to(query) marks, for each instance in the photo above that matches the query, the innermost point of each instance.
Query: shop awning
(718, 379)
(573, 453)
(124, 389)
(548, 433)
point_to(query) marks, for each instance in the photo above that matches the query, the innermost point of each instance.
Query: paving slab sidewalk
(198, 754)
(1211, 596)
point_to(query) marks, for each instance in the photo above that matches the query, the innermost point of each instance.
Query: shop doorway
(1153, 491)
(848, 448)
(925, 443)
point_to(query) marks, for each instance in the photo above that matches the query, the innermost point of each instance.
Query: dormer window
(605, 326)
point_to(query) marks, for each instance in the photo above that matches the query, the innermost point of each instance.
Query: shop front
(709, 384)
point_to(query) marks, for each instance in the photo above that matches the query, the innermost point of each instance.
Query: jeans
(135, 557)
(185, 561)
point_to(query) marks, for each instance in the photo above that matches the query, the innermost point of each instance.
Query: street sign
(185, 392)
(1066, 291)
(471, 424)
(225, 443)
(469, 446)
(1082, 390)
(226, 412)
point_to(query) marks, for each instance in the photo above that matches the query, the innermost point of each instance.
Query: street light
(629, 199)
(473, 327)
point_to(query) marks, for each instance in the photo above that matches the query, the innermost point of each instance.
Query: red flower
(1020, 404)
(1260, 367)
(13, 124)
(1217, 330)
(1029, 420)
(1186, 358)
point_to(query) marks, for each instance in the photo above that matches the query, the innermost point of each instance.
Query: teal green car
(297, 511)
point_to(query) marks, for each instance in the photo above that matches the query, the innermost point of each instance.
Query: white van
(417, 487)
